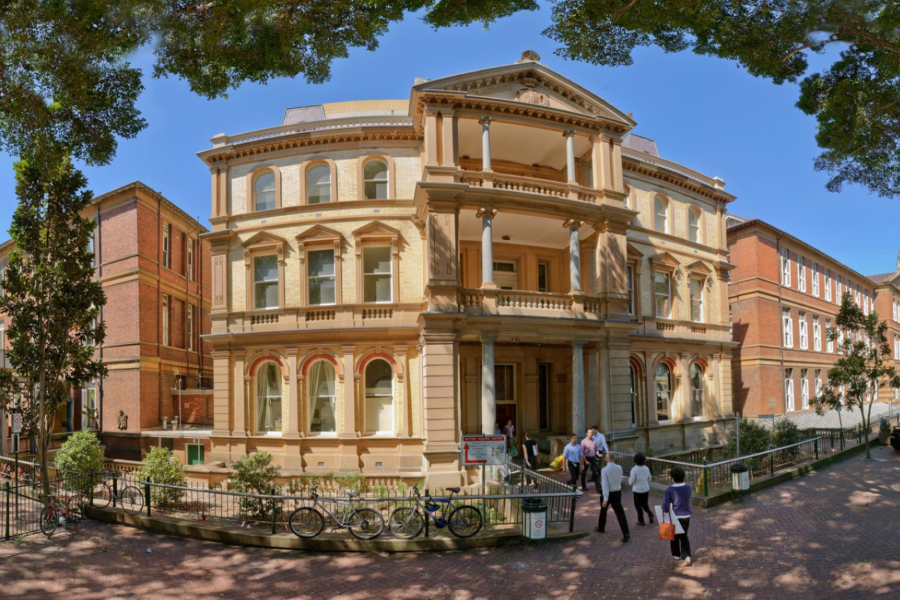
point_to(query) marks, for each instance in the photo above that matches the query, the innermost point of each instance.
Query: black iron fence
(23, 499)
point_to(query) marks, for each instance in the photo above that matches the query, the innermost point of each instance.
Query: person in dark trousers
(611, 478)
(591, 462)
(529, 457)
(639, 480)
(678, 497)
(573, 457)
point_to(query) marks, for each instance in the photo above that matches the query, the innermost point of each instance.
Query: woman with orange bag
(677, 501)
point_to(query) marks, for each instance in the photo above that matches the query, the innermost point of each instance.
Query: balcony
(325, 317)
(525, 303)
(517, 183)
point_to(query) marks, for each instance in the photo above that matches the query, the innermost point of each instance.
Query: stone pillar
(578, 424)
(485, 123)
(574, 255)
(349, 425)
(222, 385)
(293, 424)
(592, 409)
(449, 138)
(487, 246)
(401, 352)
(683, 412)
(570, 156)
(440, 394)
(488, 388)
(240, 401)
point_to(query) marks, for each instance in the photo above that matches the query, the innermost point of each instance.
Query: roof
(640, 143)
(143, 187)
(303, 114)
(881, 277)
(796, 240)
(830, 419)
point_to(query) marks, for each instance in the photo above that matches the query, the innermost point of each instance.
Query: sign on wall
(483, 450)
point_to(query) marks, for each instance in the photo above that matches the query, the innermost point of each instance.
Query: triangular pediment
(698, 267)
(319, 232)
(529, 82)
(634, 253)
(264, 239)
(376, 229)
(664, 258)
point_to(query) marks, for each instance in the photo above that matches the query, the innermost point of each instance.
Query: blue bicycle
(408, 522)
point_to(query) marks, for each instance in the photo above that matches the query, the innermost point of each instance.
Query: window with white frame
(322, 403)
(190, 327)
(190, 259)
(817, 335)
(165, 319)
(663, 385)
(804, 331)
(858, 297)
(866, 301)
(694, 224)
(818, 388)
(90, 413)
(697, 392)
(896, 347)
(894, 310)
(265, 282)
(814, 272)
(377, 284)
(661, 215)
(804, 389)
(839, 290)
(828, 285)
(785, 268)
(801, 274)
(787, 325)
(375, 175)
(165, 246)
(379, 397)
(268, 398)
(318, 185)
(264, 191)
(629, 271)
(789, 390)
(320, 277)
(829, 343)
(662, 284)
(696, 291)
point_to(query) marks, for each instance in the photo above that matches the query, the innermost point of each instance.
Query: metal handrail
(724, 462)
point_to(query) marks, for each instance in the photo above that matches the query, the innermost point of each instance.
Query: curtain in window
(268, 398)
(696, 390)
(321, 396)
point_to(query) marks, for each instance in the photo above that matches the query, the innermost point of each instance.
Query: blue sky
(705, 113)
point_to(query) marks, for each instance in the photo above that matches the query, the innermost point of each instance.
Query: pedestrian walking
(678, 499)
(530, 456)
(611, 478)
(509, 431)
(591, 462)
(600, 440)
(573, 457)
(639, 480)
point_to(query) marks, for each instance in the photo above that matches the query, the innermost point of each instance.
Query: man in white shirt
(600, 440)
(611, 478)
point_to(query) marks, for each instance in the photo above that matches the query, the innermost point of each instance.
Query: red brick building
(784, 295)
(155, 271)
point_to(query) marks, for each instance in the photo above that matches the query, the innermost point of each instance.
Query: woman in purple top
(678, 497)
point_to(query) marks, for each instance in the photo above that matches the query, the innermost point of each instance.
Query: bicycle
(407, 522)
(363, 523)
(129, 498)
(71, 512)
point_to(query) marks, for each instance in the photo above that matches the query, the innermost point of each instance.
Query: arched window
(375, 180)
(268, 398)
(694, 224)
(321, 398)
(697, 392)
(663, 392)
(318, 185)
(379, 397)
(634, 396)
(661, 215)
(264, 191)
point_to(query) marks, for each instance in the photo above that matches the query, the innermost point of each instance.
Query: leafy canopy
(81, 454)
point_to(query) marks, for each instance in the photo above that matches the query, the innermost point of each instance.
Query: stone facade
(493, 258)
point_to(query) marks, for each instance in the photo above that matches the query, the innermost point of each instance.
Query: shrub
(255, 474)
(884, 426)
(161, 466)
(786, 433)
(755, 438)
(81, 457)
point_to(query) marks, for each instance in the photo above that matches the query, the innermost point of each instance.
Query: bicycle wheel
(76, 508)
(131, 500)
(306, 522)
(49, 520)
(406, 523)
(366, 524)
(465, 521)
(102, 495)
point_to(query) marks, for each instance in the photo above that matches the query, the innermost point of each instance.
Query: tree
(80, 460)
(52, 300)
(254, 474)
(161, 466)
(856, 100)
(864, 367)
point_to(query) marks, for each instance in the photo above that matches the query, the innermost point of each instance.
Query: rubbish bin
(740, 479)
(534, 518)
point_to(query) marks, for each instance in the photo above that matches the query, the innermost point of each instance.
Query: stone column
(401, 352)
(574, 255)
(683, 412)
(487, 246)
(240, 401)
(650, 376)
(293, 424)
(349, 428)
(578, 425)
(592, 410)
(570, 155)
(488, 388)
(485, 123)
(222, 386)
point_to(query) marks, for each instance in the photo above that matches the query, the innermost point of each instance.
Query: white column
(574, 254)
(487, 245)
(578, 425)
(570, 155)
(485, 123)
(488, 390)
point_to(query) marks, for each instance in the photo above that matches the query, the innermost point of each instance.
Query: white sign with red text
(483, 450)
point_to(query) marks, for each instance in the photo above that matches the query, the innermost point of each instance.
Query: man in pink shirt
(589, 451)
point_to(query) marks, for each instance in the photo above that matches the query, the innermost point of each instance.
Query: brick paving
(826, 536)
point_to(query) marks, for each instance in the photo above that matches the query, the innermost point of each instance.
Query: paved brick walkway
(828, 535)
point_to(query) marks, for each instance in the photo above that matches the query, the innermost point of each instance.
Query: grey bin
(740, 479)
(534, 518)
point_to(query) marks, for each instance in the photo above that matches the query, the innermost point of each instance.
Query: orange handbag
(667, 530)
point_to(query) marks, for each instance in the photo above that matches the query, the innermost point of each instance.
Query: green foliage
(50, 297)
(865, 364)
(81, 458)
(786, 433)
(755, 438)
(884, 426)
(255, 474)
(855, 99)
(161, 466)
